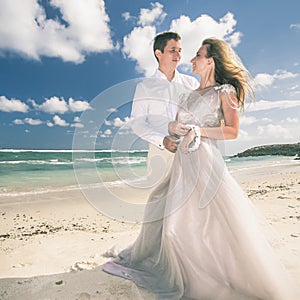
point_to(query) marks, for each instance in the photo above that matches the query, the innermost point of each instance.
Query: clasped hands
(179, 132)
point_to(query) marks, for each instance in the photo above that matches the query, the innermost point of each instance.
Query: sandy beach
(52, 245)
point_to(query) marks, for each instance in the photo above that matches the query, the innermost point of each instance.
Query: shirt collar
(160, 74)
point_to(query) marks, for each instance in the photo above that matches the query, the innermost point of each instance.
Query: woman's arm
(230, 129)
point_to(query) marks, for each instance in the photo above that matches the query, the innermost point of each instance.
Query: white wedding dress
(202, 237)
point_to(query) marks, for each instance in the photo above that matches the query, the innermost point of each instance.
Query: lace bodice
(203, 108)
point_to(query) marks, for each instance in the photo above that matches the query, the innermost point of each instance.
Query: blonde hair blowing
(229, 68)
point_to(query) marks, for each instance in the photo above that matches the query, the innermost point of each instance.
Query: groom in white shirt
(155, 105)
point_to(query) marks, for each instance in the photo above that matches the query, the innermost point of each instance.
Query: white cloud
(78, 105)
(49, 124)
(29, 121)
(12, 105)
(59, 121)
(59, 105)
(245, 120)
(111, 110)
(25, 29)
(138, 46)
(126, 15)
(292, 120)
(53, 105)
(274, 131)
(150, 16)
(243, 135)
(234, 39)
(296, 26)
(76, 119)
(106, 133)
(33, 122)
(117, 122)
(263, 80)
(18, 122)
(193, 32)
(266, 120)
(283, 74)
(138, 43)
(78, 125)
(266, 105)
(153, 16)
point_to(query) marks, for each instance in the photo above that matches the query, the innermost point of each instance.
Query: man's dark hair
(161, 40)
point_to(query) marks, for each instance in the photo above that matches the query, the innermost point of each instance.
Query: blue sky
(61, 59)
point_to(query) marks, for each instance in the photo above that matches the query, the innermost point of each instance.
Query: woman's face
(200, 62)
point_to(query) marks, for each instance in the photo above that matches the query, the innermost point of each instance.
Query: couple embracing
(201, 237)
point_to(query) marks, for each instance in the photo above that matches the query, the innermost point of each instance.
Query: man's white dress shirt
(154, 106)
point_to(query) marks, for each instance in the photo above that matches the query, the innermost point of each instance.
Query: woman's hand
(187, 140)
(179, 129)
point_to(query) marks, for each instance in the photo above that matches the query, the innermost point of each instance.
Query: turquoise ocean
(26, 172)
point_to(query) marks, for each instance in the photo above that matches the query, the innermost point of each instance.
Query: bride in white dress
(202, 237)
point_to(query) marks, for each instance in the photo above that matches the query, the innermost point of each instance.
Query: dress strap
(227, 88)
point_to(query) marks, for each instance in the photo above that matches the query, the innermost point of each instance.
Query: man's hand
(170, 143)
(176, 128)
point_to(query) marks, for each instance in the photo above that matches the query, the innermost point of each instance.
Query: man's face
(171, 56)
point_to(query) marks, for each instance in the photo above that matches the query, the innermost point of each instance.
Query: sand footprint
(83, 296)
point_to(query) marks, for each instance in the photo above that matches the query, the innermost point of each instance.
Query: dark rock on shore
(277, 149)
